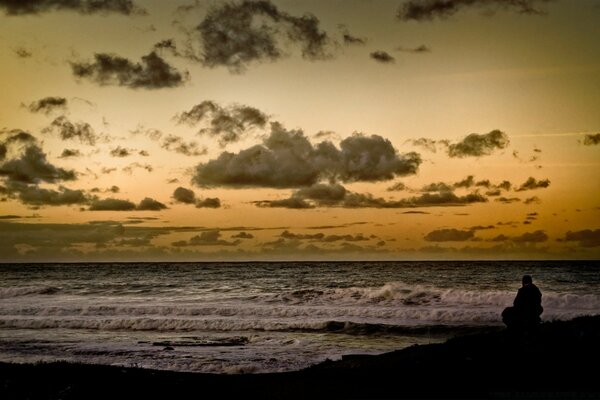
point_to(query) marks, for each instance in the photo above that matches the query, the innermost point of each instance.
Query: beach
(556, 362)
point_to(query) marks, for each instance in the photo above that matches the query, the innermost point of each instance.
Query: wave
(16, 291)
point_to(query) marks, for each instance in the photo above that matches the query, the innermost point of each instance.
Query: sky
(145, 130)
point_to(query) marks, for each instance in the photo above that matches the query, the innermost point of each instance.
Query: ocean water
(264, 317)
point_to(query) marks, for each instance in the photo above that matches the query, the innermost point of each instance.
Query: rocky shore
(557, 361)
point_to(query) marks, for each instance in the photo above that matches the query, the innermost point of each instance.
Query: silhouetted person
(527, 307)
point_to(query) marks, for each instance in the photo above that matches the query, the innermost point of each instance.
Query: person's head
(527, 280)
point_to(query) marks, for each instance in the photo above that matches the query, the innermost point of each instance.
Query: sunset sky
(299, 130)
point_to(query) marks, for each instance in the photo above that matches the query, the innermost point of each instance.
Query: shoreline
(558, 361)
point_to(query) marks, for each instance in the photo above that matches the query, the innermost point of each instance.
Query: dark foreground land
(560, 361)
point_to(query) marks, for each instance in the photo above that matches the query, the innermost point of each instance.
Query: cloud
(235, 34)
(350, 39)
(382, 57)
(428, 144)
(152, 73)
(475, 145)
(23, 7)
(591, 140)
(187, 196)
(209, 202)
(416, 212)
(532, 200)
(179, 145)
(586, 237)
(228, 124)
(32, 167)
(149, 204)
(531, 237)
(68, 153)
(531, 183)
(48, 105)
(436, 187)
(508, 200)
(68, 130)
(243, 235)
(419, 49)
(538, 236)
(335, 195)
(206, 238)
(287, 159)
(183, 195)
(427, 10)
(129, 169)
(22, 52)
(120, 152)
(36, 196)
(111, 204)
(320, 237)
(397, 187)
(449, 235)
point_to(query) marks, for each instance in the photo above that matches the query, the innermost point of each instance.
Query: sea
(255, 317)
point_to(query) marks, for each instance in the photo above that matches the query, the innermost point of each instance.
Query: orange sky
(299, 130)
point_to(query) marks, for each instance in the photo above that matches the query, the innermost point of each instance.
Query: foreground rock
(558, 361)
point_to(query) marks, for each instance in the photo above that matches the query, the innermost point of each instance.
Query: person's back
(527, 306)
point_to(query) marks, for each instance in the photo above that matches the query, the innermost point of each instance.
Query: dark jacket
(529, 301)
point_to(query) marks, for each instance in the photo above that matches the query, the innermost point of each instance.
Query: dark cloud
(13, 138)
(591, 139)
(419, 49)
(206, 238)
(144, 153)
(493, 192)
(120, 152)
(507, 200)
(586, 237)
(320, 237)
(532, 200)
(436, 187)
(23, 7)
(504, 185)
(22, 52)
(209, 202)
(149, 204)
(68, 153)
(531, 183)
(335, 195)
(68, 130)
(465, 183)
(48, 105)
(531, 237)
(228, 124)
(36, 196)
(416, 212)
(235, 34)
(243, 235)
(179, 145)
(136, 165)
(152, 73)
(184, 195)
(427, 10)
(428, 144)
(32, 167)
(475, 145)
(482, 227)
(111, 204)
(449, 235)
(350, 39)
(288, 159)
(397, 187)
(382, 57)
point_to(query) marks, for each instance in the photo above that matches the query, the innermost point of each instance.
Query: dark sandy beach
(557, 362)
